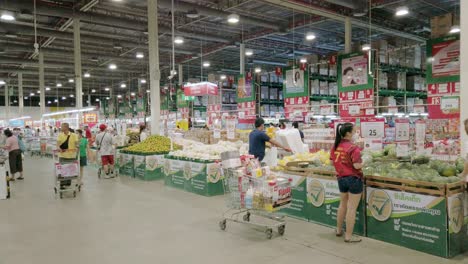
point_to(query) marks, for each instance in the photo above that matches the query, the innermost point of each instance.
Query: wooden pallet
(454, 188)
(437, 189)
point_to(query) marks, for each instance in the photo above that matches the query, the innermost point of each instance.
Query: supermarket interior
(264, 131)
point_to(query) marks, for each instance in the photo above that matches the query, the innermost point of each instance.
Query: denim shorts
(351, 184)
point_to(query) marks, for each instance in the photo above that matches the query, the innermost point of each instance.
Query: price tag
(241, 115)
(231, 128)
(354, 109)
(418, 109)
(370, 111)
(297, 113)
(372, 130)
(402, 131)
(443, 88)
(325, 109)
(217, 133)
(393, 110)
(402, 149)
(450, 103)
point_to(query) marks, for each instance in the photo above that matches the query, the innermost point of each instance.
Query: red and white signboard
(446, 59)
(296, 108)
(184, 112)
(402, 130)
(357, 103)
(246, 112)
(201, 88)
(213, 112)
(438, 98)
(373, 128)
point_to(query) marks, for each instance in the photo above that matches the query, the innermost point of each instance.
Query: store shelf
(324, 78)
(273, 102)
(397, 68)
(229, 104)
(199, 108)
(272, 85)
(324, 97)
(399, 93)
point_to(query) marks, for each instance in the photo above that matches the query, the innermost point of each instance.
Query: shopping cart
(35, 147)
(255, 201)
(66, 175)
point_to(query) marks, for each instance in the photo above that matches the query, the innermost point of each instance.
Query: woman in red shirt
(346, 158)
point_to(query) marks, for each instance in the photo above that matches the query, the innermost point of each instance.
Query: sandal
(20, 178)
(353, 239)
(340, 234)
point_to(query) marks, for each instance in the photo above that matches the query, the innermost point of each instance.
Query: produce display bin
(423, 216)
(149, 166)
(297, 208)
(196, 176)
(323, 201)
(126, 164)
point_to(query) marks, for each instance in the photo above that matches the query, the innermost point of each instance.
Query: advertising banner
(353, 72)
(201, 88)
(174, 172)
(296, 83)
(443, 64)
(297, 207)
(203, 178)
(213, 111)
(411, 220)
(358, 103)
(296, 108)
(443, 100)
(457, 227)
(245, 89)
(246, 112)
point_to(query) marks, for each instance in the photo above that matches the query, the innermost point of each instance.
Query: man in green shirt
(84, 147)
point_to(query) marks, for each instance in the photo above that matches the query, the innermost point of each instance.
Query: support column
(20, 94)
(463, 76)
(242, 58)
(89, 100)
(77, 60)
(155, 75)
(7, 102)
(41, 82)
(348, 35)
(181, 75)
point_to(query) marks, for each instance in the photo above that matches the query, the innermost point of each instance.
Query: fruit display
(271, 132)
(319, 159)
(152, 145)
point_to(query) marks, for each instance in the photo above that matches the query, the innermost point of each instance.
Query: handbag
(64, 145)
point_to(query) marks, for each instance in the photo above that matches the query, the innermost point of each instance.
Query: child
(84, 147)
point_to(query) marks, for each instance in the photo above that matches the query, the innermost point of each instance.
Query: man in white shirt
(105, 144)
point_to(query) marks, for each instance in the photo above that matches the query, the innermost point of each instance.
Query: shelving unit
(270, 95)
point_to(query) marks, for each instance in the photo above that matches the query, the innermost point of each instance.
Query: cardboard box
(383, 80)
(396, 81)
(314, 87)
(323, 69)
(264, 92)
(274, 94)
(440, 25)
(415, 83)
(273, 77)
(332, 70)
(333, 88)
(324, 88)
(264, 78)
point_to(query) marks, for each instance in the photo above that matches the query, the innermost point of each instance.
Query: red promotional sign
(278, 71)
(358, 103)
(212, 112)
(296, 108)
(333, 59)
(303, 66)
(246, 112)
(202, 88)
(435, 95)
(248, 75)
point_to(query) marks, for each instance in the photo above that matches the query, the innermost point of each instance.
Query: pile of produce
(133, 136)
(196, 150)
(152, 145)
(319, 160)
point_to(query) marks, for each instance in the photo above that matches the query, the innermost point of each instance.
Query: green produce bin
(323, 201)
(297, 208)
(174, 172)
(127, 164)
(203, 178)
(148, 167)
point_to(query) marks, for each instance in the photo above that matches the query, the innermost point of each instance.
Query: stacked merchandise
(318, 138)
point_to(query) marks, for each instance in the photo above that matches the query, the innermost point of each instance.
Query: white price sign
(217, 133)
(325, 109)
(418, 109)
(402, 149)
(402, 131)
(241, 115)
(372, 130)
(393, 110)
(370, 111)
(231, 128)
(450, 103)
(297, 113)
(354, 109)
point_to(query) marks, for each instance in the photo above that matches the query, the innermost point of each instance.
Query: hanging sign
(90, 118)
(444, 60)
(402, 149)
(278, 71)
(296, 83)
(373, 128)
(362, 98)
(353, 72)
(245, 89)
(435, 94)
(402, 130)
(354, 110)
(296, 108)
(201, 88)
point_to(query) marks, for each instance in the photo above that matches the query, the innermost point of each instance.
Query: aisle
(131, 221)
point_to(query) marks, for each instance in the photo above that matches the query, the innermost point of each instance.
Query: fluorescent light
(143, 81)
(71, 80)
(413, 114)
(107, 98)
(69, 111)
(140, 55)
(402, 11)
(119, 96)
(15, 101)
(59, 85)
(93, 90)
(310, 36)
(303, 60)
(49, 102)
(26, 97)
(249, 52)
(107, 89)
(47, 88)
(379, 116)
(233, 19)
(387, 114)
(123, 85)
(97, 99)
(424, 114)
(173, 72)
(112, 66)
(38, 91)
(64, 98)
(178, 40)
(56, 100)
(20, 118)
(317, 116)
(331, 116)
(206, 64)
(87, 75)
(148, 91)
(222, 77)
(2, 82)
(132, 94)
(7, 16)
(366, 47)
(71, 95)
(455, 29)
(31, 94)
(258, 69)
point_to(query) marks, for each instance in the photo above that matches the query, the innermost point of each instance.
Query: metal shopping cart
(35, 147)
(66, 175)
(255, 201)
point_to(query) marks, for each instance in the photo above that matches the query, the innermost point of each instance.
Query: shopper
(346, 158)
(295, 124)
(14, 155)
(105, 145)
(88, 133)
(282, 125)
(67, 145)
(257, 139)
(143, 133)
(84, 148)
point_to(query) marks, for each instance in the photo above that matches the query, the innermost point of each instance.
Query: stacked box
(415, 83)
(323, 69)
(280, 94)
(314, 69)
(383, 80)
(440, 25)
(324, 91)
(273, 93)
(314, 87)
(333, 88)
(382, 46)
(386, 102)
(332, 71)
(396, 80)
(273, 110)
(264, 92)
(273, 77)
(264, 78)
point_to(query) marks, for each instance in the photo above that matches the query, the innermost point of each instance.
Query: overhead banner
(245, 89)
(443, 64)
(353, 72)
(201, 88)
(246, 112)
(443, 100)
(296, 83)
(359, 103)
(296, 108)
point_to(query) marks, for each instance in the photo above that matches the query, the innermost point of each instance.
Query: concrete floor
(130, 221)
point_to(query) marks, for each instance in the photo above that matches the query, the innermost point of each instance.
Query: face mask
(355, 137)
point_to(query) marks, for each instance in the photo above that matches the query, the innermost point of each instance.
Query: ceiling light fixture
(402, 11)
(56, 100)
(143, 81)
(71, 96)
(310, 36)
(107, 98)
(31, 94)
(222, 77)
(140, 55)
(71, 80)
(132, 94)
(148, 91)
(249, 52)
(7, 16)
(233, 19)
(303, 60)
(112, 66)
(49, 102)
(64, 98)
(178, 40)
(26, 98)
(455, 29)
(119, 96)
(87, 75)
(192, 13)
(97, 99)
(2, 82)
(38, 91)
(206, 64)
(258, 70)
(366, 47)
(107, 89)
(59, 85)
(93, 90)
(47, 88)
(123, 85)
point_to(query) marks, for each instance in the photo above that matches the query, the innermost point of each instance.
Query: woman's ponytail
(341, 131)
(338, 135)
